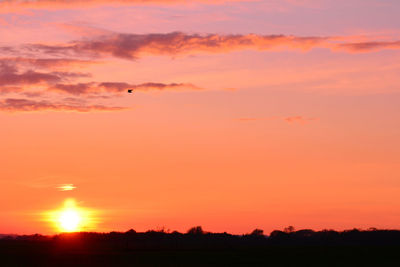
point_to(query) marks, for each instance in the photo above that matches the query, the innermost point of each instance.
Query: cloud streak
(8, 6)
(73, 3)
(25, 84)
(290, 119)
(11, 75)
(298, 119)
(32, 75)
(119, 87)
(134, 46)
(370, 46)
(46, 63)
(26, 105)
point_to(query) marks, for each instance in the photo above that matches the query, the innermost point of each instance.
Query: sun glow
(72, 218)
(69, 220)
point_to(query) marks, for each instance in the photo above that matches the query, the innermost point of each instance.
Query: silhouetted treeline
(199, 248)
(196, 238)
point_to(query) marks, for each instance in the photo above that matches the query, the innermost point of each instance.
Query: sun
(72, 218)
(69, 220)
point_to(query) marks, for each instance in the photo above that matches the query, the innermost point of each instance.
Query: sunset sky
(244, 114)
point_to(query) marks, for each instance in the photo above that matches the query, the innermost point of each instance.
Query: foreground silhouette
(198, 248)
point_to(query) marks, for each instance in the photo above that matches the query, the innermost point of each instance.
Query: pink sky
(244, 114)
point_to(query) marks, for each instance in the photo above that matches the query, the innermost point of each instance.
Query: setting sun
(71, 218)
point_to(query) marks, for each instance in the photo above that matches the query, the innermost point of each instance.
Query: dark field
(301, 248)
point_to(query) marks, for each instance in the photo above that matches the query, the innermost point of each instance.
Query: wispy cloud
(118, 87)
(250, 119)
(46, 63)
(370, 46)
(11, 75)
(66, 187)
(290, 119)
(134, 46)
(19, 104)
(29, 70)
(82, 3)
(298, 119)
(30, 87)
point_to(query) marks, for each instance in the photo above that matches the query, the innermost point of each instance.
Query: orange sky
(244, 114)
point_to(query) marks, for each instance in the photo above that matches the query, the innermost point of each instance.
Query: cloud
(249, 119)
(46, 63)
(370, 46)
(31, 89)
(135, 46)
(10, 89)
(33, 94)
(298, 119)
(74, 89)
(291, 119)
(12, 4)
(66, 187)
(118, 87)
(18, 105)
(11, 76)
(38, 84)
(132, 46)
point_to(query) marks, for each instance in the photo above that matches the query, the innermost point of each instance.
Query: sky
(244, 114)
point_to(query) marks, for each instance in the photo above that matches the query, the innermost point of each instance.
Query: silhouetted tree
(131, 232)
(197, 230)
(257, 232)
(277, 234)
(305, 233)
(289, 229)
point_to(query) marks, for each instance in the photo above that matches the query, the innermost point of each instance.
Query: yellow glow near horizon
(71, 218)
